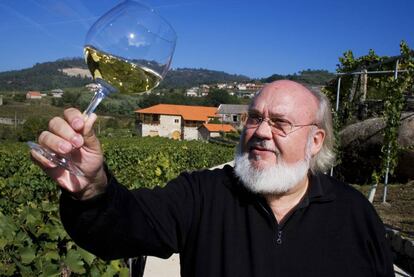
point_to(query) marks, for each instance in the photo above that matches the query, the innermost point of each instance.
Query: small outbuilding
(212, 130)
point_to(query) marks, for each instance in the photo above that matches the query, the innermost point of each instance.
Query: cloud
(134, 40)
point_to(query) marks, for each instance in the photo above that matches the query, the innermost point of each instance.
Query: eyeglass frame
(272, 124)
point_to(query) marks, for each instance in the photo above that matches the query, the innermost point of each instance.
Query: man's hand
(74, 136)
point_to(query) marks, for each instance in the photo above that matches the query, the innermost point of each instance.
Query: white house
(192, 92)
(254, 87)
(204, 89)
(57, 93)
(33, 95)
(221, 86)
(173, 121)
(92, 87)
(241, 87)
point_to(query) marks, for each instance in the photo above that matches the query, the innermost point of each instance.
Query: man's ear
(317, 139)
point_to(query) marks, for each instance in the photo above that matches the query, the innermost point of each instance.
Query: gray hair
(325, 158)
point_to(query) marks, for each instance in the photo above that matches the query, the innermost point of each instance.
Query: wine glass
(127, 50)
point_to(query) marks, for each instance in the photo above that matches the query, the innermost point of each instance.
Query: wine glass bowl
(127, 50)
(130, 47)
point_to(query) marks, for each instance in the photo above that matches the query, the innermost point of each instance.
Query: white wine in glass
(127, 50)
(125, 76)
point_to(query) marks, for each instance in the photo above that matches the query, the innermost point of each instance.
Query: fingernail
(77, 123)
(77, 140)
(64, 147)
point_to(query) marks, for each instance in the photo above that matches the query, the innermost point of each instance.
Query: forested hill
(49, 75)
(189, 77)
(43, 76)
(310, 77)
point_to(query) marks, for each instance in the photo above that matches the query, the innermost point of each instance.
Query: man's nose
(264, 130)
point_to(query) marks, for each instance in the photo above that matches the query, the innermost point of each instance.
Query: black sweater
(221, 229)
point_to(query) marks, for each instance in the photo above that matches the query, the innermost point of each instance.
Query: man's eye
(277, 121)
(280, 123)
(255, 116)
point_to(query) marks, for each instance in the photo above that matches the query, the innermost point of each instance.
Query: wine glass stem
(97, 98)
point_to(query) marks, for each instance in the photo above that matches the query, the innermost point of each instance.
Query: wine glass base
(54, 158)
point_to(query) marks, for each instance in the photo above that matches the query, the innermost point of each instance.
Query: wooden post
(384, 198)
(353, 88)
(372, 192)
(364, 81)
(338, 90)
(99, 126)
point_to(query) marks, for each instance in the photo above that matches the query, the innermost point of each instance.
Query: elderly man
(274, 214)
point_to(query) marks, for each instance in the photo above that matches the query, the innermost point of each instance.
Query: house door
(176, 135)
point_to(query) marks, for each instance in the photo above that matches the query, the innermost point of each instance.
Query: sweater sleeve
(378, 246)
(121, 223)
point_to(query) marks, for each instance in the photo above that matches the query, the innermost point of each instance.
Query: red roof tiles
(219, 127)
(196, 113)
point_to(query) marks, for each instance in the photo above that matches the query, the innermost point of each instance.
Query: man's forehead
(269, 98)
(284, 100)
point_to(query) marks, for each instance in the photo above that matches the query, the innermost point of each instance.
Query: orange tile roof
(34, 93)
(219, 127)
(196, 113)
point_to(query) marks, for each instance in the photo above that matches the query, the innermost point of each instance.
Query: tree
(32, 128)
(19, 97)
(308, 76)
(220, 96)
(112, 123)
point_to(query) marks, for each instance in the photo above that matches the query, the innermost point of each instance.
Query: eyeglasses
(278, 126)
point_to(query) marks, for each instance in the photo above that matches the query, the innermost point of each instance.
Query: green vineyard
(32, 239)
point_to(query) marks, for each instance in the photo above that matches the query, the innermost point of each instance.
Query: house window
(235, 118)
(150, 118)
(147, 118)
(155, 118)
(191, 123)
(176, 121)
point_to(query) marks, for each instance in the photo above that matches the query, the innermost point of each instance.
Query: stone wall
(10, 121)
(361, 150)
(403, 250)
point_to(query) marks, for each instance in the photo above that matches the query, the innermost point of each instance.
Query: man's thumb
(90, 139)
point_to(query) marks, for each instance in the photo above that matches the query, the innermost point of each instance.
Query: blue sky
(256, 38)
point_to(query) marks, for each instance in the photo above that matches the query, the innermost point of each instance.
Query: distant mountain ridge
(72, 72)
(43, 76)
(62, 73)
(189, 77)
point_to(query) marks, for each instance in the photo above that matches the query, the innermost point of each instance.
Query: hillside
(310, 77)
(189, 77)
(73, 72)
(43, 76)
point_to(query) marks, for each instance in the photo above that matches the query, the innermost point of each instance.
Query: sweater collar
(319, 190)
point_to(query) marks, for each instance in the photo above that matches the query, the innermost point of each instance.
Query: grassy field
(398, 211)
(23, 111)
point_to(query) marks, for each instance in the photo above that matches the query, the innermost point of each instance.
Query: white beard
(274, 179)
